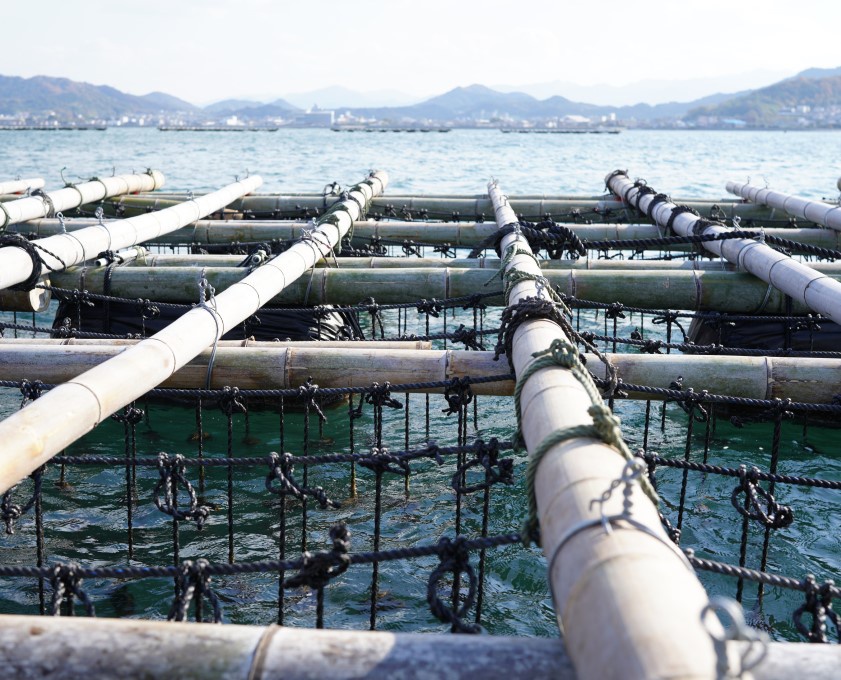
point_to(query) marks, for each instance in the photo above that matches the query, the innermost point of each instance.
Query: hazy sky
(205, 50)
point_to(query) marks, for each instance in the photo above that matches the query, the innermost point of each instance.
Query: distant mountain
(478, 101)
(167, 102)
(227, 105)
(68, 98)
(774, 106)
(337, 97)
(819, 73)
(650, 90)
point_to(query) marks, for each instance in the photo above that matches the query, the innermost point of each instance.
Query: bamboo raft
(557, 273)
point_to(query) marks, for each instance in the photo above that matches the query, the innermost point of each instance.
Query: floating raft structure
(339, 321)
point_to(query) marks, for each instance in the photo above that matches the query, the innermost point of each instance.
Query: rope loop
(455, 559)
(759, 504)
(171, 476)
(486, 455)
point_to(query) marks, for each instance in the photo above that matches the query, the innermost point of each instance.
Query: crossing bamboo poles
(628, 605)
(18, 186)
(17, 265)
(74, 195)
(817, 291)
(39, 431)
(826, 214)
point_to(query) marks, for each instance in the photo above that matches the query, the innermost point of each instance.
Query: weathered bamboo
(65, 250)
(72, 648)
(19, 186)
(185, 260)
(471, 208)
(667, 289)
(819, 212)
(461, 234)
(283, 365)
(628, 606)
(49, 204)
(43, 428)
(249, 342)
(34, 300)
(100, 649)
(816, 291)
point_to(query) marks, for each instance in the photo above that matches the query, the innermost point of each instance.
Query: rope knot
(66, 581)
(458, 394)
(317, 570)
(193, 582)
(171, 476)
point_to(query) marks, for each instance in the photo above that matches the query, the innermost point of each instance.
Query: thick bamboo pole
(73, 196)
(34, 300)
(461, 234)
(470, 208)
(816, 291)
(19, 186)
(665, 289)
(71, 648)
(819, 212)
(58, 252)
(63, 648)
(587, 263)
(272, 365)
(628, 605)
(43, 428)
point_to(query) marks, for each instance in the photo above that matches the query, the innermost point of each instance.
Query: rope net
(389, 507)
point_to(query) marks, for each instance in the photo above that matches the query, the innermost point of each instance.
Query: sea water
(86, 521)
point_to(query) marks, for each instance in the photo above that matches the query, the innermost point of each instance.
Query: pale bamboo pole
(33, 300)
(19, 186)
(816, 291)
(819, 212)
(73, 196)
(64, 648)
(37, 432)
(461, 234)
(627, 604)
(699, 290)
(64, 250)
(283, 365)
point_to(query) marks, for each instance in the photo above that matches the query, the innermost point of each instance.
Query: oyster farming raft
(596, 436)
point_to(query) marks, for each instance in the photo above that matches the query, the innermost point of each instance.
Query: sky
(207, 50)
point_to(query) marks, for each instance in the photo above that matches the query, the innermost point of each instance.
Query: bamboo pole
(586, 263)
(460, 234)
(34, 300)
(44, 427)
(75, 195)
(627, 605)
(819, 212)
(816, 291)
(470, 208)
(19, 186)
(685, 289)
(64, 648)
(71, 648)
(273, 365)
(58, 252)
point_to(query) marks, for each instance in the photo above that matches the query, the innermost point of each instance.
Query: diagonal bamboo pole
(74, 195)
(39, 431)
(18, 186)
(628, 605)
(64, 250)
(819, 212)
(817, 291)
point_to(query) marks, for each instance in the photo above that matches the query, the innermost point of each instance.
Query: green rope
(563, 353)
